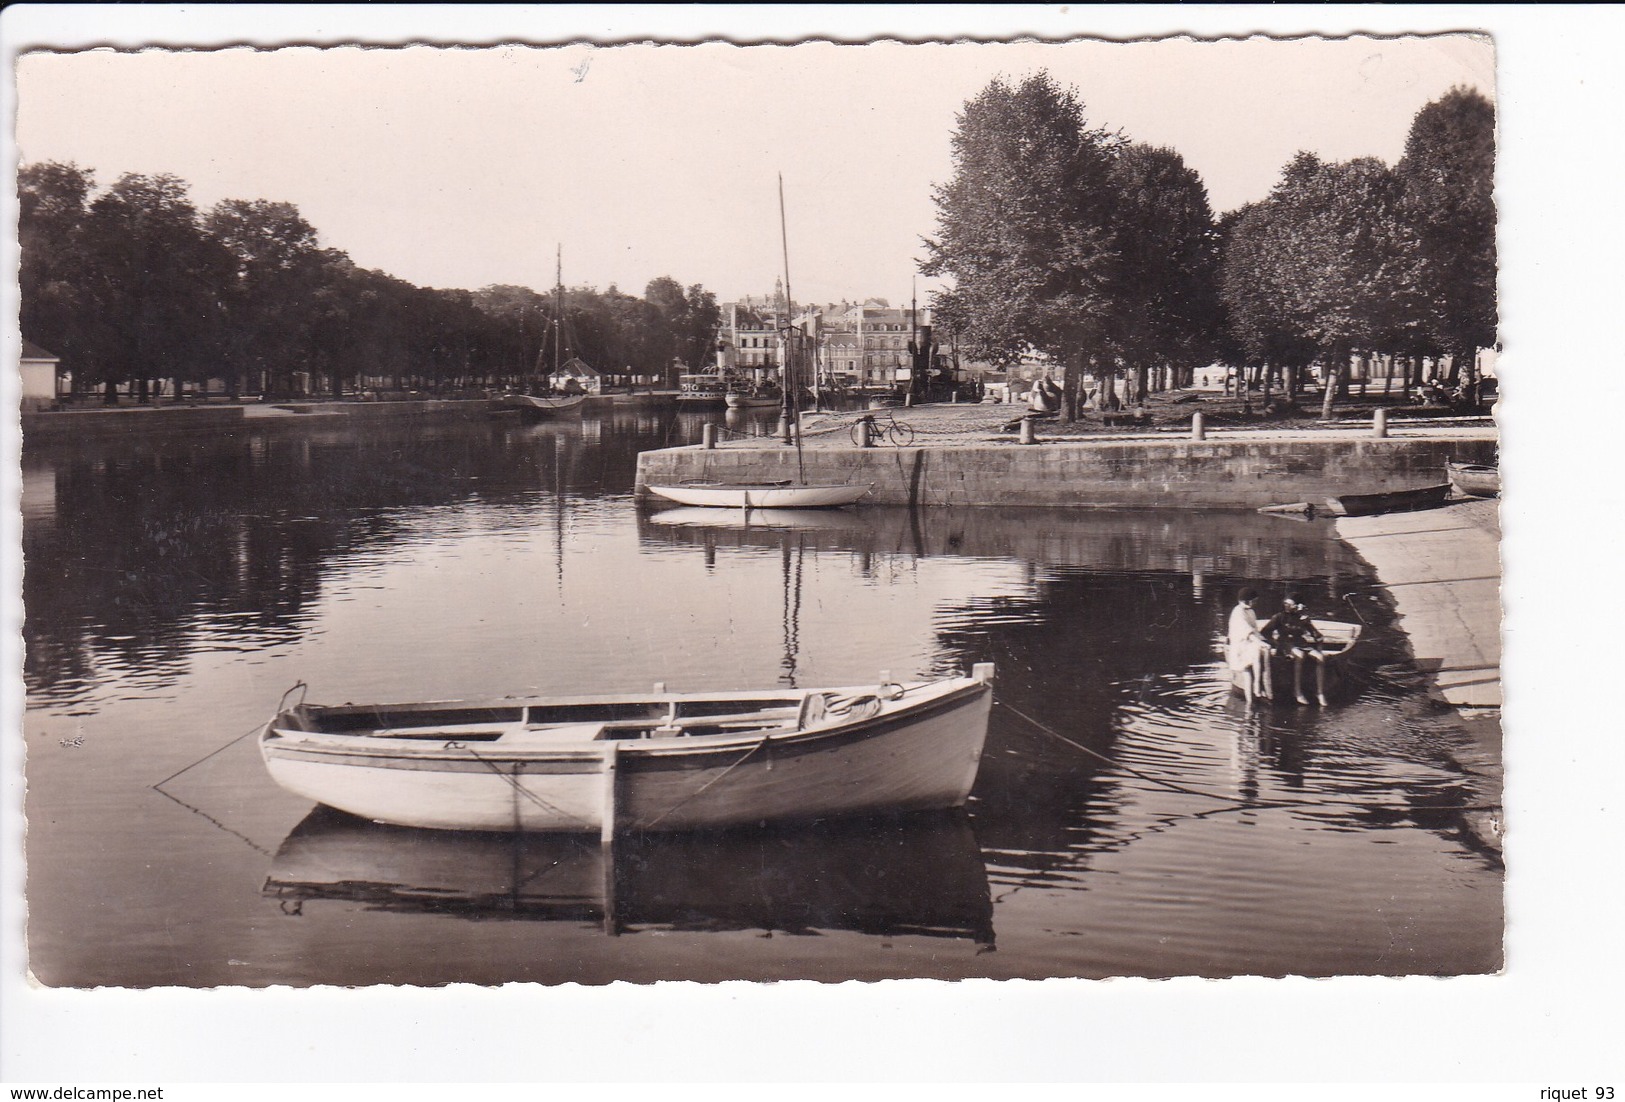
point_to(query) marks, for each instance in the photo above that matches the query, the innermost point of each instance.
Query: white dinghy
(650, 762)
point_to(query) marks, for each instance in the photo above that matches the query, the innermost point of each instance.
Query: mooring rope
(701, 790)
(252, 730)
(1223, 798)
(518, 788)
(159, 788)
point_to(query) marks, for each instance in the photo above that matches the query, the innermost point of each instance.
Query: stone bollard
(865, 429)
(708, 436)
(908, 400)
(1379, 424)
(784, 428)
(1198, 427)
(1028, 436)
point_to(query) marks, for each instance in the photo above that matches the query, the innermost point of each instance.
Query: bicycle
(897, 433)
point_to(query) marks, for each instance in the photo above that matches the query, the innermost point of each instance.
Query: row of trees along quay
(1103, 253)
(135, 287)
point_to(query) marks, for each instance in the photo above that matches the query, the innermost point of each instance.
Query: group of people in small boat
(1289, 632)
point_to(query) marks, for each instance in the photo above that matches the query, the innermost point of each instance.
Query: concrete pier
(1231, 470)
(1443, 568)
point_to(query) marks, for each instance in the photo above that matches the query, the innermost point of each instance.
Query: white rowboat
(764, 495)
(654, 762)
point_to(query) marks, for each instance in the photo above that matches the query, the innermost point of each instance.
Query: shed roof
(578, 367)
(32, 351)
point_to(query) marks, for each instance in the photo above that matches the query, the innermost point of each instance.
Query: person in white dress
(1246, 652)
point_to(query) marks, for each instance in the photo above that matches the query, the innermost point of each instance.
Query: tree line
(134, 287)
(1104, 253)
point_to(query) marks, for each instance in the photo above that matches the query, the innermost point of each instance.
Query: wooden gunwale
(636, 755)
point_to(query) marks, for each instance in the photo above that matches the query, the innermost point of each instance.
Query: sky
(466, 167)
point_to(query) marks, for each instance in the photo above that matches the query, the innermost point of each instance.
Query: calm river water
(1131, 816)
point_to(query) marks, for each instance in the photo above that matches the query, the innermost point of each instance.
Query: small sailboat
(799, 494)
(547, 407)
(764, 495)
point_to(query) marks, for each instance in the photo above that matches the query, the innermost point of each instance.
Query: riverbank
(71, 424)
(1443, 569)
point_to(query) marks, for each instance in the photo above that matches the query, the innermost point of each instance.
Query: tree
(520, 321)
(1253, 283)
(1330, 259)
(689, 320)
(51, 210)
(1164, 302)
(268, 298)
(1447, 184)
(697, 338)
(1024, 227)
(156, 281)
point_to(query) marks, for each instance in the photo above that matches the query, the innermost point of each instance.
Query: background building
(39, 376)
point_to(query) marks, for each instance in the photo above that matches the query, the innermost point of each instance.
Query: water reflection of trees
(143, 550)
(1112, 643)
(1118, 608)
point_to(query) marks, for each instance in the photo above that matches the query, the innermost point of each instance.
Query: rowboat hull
(1392, 501)
(764, 496)
(534, 408)
(1476, 479)
(797, 757)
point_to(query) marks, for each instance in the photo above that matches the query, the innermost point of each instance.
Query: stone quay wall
(1213, 473)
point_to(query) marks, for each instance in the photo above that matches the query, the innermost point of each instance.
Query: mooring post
(784, 428)
(864, 433)
(1379, 424)
(1028, 436)
(1198, 427)
(708, 436)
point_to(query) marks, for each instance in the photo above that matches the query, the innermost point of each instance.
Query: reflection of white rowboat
(918, 874)
(658, 761)
(803, 519)
(762, 495)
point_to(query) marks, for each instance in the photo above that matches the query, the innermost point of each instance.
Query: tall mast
(791, 414)
(914, 337)
(558, 308)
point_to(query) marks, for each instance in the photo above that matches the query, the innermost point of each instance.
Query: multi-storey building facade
(860, 345)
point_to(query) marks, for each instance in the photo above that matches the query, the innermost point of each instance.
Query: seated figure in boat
(1246, 651)
(1290, 632)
